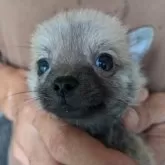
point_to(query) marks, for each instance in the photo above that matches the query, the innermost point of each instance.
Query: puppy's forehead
(77, 34)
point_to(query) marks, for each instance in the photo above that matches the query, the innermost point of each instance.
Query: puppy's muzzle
(65, 85)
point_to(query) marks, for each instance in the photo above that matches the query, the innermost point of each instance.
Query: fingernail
(131, 119)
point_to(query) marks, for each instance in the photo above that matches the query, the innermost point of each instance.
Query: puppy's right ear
(140, 42)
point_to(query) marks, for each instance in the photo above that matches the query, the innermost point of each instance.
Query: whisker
(37, 98)
(19, 93)
(19, 106)
(119, 100)
(27, 101)
(31, 100)
(27, 44)
(122, 101)
(22, 46)
(24, 92)
(116, 87)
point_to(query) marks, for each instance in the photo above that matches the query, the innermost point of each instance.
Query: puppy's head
(82, 67)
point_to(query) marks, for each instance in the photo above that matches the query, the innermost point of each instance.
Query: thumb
(152, 111)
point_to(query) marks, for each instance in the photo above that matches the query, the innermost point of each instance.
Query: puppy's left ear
(140, 42)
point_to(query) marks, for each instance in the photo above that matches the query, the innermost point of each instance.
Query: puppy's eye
(105, 62)
(43, 66)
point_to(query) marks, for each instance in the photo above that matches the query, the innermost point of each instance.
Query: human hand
(39, 138)
(83, 145)
(149, 120)
(13, 90)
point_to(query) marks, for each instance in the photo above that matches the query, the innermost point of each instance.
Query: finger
(143, 95)
(70, 146)
(13, 159)
(150, 112)
(131, 117)
(29, 142)
(12, 81)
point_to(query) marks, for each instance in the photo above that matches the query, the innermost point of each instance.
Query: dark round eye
(43, 66)
(105, 62)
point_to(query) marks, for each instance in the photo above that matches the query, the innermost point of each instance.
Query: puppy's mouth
(72, 108)
(69, 112)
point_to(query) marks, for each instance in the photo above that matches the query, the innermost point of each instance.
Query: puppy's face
(81, 67)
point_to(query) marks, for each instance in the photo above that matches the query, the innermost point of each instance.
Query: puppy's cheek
(32, 81)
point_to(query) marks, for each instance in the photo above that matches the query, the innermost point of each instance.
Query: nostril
(56, 87)
(65, 84)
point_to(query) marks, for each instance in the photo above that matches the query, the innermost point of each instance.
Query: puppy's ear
(140, 42)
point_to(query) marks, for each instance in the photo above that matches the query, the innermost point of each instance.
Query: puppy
(85, 70)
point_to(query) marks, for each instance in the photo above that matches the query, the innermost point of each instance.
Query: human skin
(42, 139)
(18, 19)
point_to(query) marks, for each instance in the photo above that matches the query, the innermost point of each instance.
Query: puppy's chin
(69, 112)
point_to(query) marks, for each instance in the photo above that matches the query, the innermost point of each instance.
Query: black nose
(65, 84)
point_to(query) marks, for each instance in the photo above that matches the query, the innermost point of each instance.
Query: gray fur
(71, 41)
